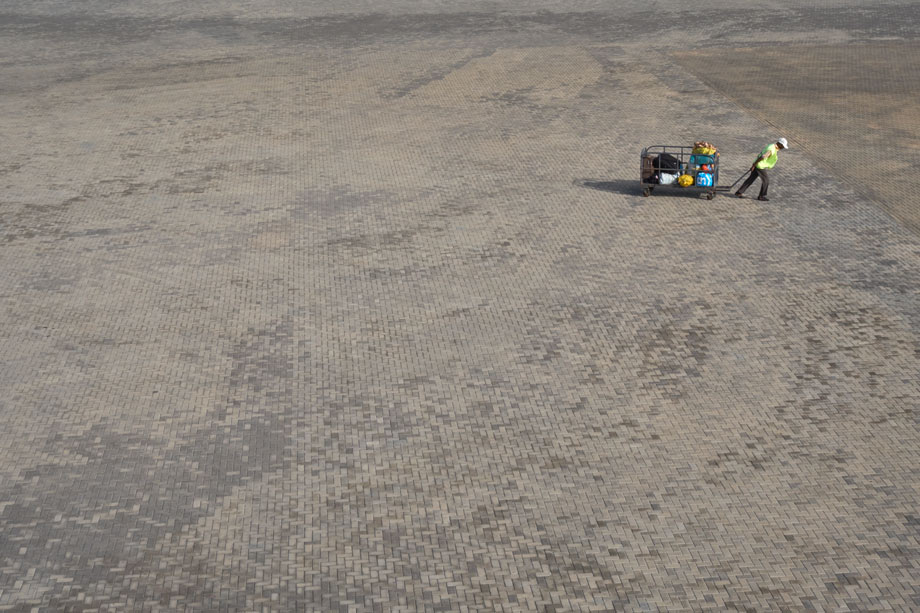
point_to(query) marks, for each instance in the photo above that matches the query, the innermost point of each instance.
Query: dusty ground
(854, 108)
(357, 307)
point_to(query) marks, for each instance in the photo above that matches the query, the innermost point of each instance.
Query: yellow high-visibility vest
(772, 153)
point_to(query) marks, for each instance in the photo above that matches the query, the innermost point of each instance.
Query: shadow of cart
(631, 187)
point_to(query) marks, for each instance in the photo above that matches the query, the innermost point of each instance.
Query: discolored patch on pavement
(304, 310)
(854, 108)
(535, 76)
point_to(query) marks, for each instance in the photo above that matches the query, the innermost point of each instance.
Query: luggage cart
(653, 158)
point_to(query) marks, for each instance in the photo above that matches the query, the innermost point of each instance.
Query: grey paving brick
(354, 307)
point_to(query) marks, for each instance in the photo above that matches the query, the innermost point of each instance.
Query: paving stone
(358, 307)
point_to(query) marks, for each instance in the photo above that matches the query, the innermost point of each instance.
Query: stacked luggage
(681, 166)
(703, 159)
(667, 169)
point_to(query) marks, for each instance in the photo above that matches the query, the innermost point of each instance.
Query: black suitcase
(666, 162)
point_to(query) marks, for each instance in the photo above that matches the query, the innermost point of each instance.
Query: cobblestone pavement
(356, 307)
(852, 107)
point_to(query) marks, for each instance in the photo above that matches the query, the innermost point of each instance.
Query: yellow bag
(704, 151)
(685, 180)
(702, 147)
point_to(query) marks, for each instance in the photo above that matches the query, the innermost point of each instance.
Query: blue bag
(699, 160)
(704, 179)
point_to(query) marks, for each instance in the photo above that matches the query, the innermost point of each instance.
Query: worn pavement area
(356, 306)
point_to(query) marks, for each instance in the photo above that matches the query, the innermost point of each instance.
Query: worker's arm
(760, 159)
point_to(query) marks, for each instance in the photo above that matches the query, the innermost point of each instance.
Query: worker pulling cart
(690, 168)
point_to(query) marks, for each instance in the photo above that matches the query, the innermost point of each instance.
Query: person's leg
(747, 182)
(764, 182)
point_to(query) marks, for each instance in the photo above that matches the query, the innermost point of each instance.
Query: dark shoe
(763, 198)
(739, 195)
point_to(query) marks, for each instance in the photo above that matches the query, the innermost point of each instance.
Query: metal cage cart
(665, 166)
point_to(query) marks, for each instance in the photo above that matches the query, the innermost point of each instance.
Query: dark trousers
(764, 181)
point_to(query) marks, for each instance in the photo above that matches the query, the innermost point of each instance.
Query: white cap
(783, 142)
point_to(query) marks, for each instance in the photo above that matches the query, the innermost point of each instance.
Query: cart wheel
(710, 196)
(646, 192)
